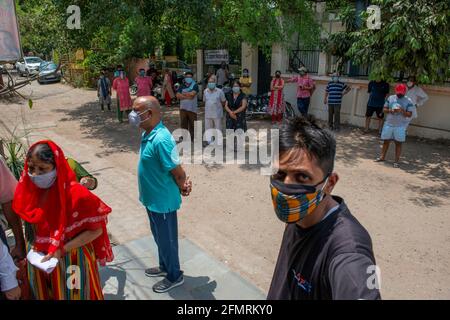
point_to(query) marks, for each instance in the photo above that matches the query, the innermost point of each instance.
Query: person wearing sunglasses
(325, 252)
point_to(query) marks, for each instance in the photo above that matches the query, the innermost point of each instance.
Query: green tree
(413, 39)
(113, 31)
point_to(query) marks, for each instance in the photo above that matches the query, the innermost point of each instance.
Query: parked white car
(28, 65)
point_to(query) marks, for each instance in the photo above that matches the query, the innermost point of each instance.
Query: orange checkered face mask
(293, 202)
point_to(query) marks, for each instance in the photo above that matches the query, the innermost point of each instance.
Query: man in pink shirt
(305, 88)
(144, 84)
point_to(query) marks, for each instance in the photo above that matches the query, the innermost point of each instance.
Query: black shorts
(371, 110)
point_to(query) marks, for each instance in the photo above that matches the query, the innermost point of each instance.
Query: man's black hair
(188, 72)
(42, 152)
(305, 133)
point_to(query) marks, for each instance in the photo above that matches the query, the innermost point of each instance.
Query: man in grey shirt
(187, 94)
(222, 75)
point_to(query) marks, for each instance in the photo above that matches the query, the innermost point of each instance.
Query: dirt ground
(229, 213)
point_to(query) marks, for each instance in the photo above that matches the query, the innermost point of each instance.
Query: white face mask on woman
(44, 181)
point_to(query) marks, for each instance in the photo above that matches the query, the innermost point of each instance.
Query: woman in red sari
(168, 88)
(276, 102)
(68, 223)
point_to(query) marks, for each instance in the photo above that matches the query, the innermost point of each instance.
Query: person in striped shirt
(333, 97)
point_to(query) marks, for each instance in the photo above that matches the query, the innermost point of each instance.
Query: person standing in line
(104, 90)
(167, 88)
(235, 107)
(222, 75)
(122, 87)
(161, 181)
(276, 102)
(398, 109)
(187, 94)
(68, 224)
(246, 82)
(214, 99)
(305, 89)
(9, 286)
(8, 185)
(378, 91)
(333, 97)
(416, 94)
(144, 84)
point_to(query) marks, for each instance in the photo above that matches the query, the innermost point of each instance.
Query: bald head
(147, 102)
(149, 110)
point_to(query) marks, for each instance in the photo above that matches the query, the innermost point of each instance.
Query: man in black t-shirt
(325, 252)
(378, 91)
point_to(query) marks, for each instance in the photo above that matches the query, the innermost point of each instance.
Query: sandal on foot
(379, 160)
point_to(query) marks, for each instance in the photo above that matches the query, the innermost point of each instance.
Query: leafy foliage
(413, 39)
(115, 30)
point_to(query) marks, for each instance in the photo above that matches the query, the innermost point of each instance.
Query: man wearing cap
(305, 88)
(398, 110)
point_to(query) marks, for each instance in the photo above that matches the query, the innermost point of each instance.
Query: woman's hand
(233, 115)
(57, 254)
(13, 294)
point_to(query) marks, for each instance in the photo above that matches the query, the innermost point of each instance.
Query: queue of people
(394, 113)
(67, 223)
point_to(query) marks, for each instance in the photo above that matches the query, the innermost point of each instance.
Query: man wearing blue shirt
(187, 94)
(333, 96)
(161, 180)
(398, 110)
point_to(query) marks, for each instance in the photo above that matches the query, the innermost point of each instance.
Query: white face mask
(410, 84)
(134, 118)
(44, 181)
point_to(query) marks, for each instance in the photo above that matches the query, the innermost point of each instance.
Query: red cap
(400, 89)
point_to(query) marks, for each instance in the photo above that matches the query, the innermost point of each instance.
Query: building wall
(433, 121)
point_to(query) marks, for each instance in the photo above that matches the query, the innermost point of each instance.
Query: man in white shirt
(214, 99)
(416, 95)
(8, 281)
(222, 75)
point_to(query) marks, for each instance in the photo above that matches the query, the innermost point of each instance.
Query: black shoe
(165, 285)
(155, 272)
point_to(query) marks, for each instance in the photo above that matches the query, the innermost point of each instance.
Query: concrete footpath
(205, 278)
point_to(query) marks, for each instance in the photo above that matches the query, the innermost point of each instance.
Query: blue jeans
(165, 232)
(303, 105)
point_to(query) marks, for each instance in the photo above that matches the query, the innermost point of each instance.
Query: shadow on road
(200, 288)
(429, 160)
(104, 126)
(426, 159)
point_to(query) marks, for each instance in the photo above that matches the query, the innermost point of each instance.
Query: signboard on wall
(10, 49)
(216, 56)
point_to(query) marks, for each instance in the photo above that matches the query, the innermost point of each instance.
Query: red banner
(10, 49)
